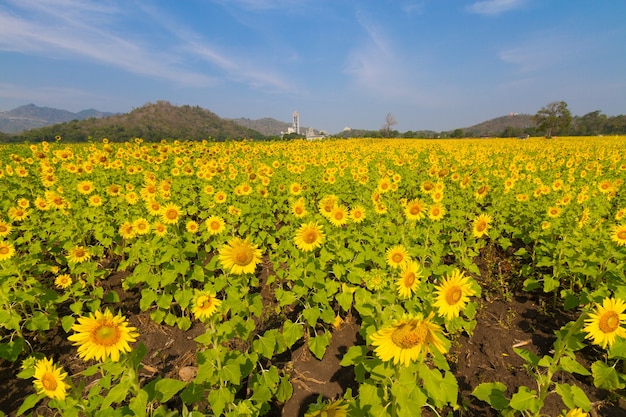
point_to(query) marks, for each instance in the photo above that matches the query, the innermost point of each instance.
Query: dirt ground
(487, 356)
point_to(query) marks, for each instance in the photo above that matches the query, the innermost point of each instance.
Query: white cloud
(494, 7)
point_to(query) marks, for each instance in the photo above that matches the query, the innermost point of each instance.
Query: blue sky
(433, 64)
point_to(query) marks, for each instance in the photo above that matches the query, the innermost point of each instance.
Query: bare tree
(390, 121)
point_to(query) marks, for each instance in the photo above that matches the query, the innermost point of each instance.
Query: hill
(152, 122)
(267, 125)
(31, 116)
(514, 124)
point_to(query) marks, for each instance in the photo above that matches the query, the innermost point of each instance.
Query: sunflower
(95, 200)
(414, 210)
(192, 226)
(375, 280)
(41, 204)
(204, 305)
(5, 228)
(85, 187)
(154, 208)
(299, 208)
(327, 204)
(618, 234)
(17, 213)
(408, 340)
(337, 408)
(397, 256)
(295, 188)
(453, 294)
(409, 279)
(576, 412)
(309, 236)
(339, 215)
(141, 226)
(159, 229)
(50, 379)
(220, 197)
(6, 250)
(480, 225)
(604, 324)
(78, 254)
(63, 281)
(240, 256)
(436, 212)
(554, 211)
(427, 186)
(584, 218)
(171, 214)
(215, 225)
(127, 230)
(102, 335)
(357, 214)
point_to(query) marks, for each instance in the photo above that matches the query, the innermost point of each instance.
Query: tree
(554, 116)
(386, 129)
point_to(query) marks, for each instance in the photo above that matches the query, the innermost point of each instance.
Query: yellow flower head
(102, 335)
(309, 236)
(408, 340)
(409, 279)
(618, 234)
(78, 254)
(141, 226)
(452, 295)
(604, 324)
(192, 226)
(5, 228)
(338, 215)
(299, 208)
(6, 250)
(397, 256)
(436, 212)
(85, 187)
(63, 281)
(240, 256)
(215, 225)
(335, 409)
(357, 214)
(205, 304)
(480, 225)
(50, 379)
(415, 210)
(170, 214)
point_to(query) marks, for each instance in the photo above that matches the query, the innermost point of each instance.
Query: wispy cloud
(494, 7)
(86, 32)
(72, 99)
(541, 51)
(376, 67)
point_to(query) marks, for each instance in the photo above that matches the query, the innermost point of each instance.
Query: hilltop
(153, 121)
(31, 116)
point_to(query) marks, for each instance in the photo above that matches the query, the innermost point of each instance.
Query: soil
(516, 319)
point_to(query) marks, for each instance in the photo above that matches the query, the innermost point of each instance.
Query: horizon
(434, 65)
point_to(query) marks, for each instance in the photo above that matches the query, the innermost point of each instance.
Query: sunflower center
(338, 215)
(298, 210)
(397, 257)
(215, 226)
(409, 279)
(4, 250)
(453, 295)
(436, 211)
(481, 226)
(243, 257)
(415, 210)
(106, 335)
(621, 235)
(309, 236)
(171, 214)
(609, 322)
(49, 382)
(409, 335)
(79, 252)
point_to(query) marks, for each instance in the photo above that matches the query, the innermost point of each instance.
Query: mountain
(266, 125)
(152, 122)
(31, 116)
(496, 127)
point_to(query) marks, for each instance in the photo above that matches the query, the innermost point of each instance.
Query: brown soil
(486, 356)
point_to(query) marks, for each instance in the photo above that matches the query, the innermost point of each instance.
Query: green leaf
(570, 364)
(605, 376)
(292, 332)
(231, 372)
(525, 400)
(11, 350)
(493, 394)
(116, 394)
(218, 398)
(264, 345)
(318, 344)
(285, 389)
(573, 396)
(618, 349)
(138, 403)
(354, 355)
(531, 284)
(344, 299)
(528, 356)
(148, 296)
(167, 388)
(28, 403)
(550, 283)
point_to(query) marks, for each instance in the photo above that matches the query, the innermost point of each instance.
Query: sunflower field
(268, 246)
